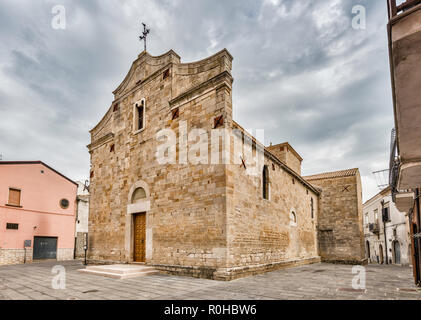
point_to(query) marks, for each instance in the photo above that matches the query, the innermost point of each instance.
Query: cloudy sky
(301, 72)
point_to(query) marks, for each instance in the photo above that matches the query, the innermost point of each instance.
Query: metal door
(45, 248)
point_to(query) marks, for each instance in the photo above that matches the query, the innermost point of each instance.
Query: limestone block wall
(340, 220)
(79, 246)
(65, 254)
(186, 216)
(202, 219)
(15, 256)
(262, 232)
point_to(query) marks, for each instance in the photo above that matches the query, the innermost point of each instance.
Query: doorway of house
(139, 249)
(381, 254)
(397, 252)
(45, 248)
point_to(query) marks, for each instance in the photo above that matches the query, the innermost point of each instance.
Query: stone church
(209, 219)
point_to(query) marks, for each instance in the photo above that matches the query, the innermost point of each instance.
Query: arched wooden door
(397, 252)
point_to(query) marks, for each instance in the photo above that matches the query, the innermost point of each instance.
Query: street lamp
(85, 247)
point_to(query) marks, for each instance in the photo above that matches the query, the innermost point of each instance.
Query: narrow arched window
(294, 217)
(265, 178)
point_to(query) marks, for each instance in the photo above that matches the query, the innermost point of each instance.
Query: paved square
(319, 281)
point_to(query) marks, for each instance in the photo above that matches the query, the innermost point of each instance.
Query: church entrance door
(139, 237)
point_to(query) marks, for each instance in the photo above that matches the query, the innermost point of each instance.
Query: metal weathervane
(145, 34)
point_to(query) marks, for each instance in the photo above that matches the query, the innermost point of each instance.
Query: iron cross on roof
(145, 33)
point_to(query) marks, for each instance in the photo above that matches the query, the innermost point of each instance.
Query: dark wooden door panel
(140, 237)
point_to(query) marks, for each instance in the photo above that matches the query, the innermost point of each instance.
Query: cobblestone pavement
(319, 281)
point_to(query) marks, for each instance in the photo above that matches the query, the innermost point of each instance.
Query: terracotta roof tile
(335, 174)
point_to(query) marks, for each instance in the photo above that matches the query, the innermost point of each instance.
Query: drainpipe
(417, 240)
(384, 232)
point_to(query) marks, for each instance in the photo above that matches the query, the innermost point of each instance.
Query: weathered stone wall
(262, 232)
(206, 220)
(340, 220)
(186, 220)
(15, 256)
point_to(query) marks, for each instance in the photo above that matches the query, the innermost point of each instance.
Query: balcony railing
(374, 228)
(395, 9)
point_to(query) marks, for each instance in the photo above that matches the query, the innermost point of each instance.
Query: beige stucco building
(176, 183)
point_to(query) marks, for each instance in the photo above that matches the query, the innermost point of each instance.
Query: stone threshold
(228, 274)
(119, 271)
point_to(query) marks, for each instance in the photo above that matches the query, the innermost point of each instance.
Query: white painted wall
(82, 208)
(396, 230)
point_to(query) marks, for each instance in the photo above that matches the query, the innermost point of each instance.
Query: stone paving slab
(313, 282)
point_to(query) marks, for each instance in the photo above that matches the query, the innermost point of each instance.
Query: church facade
(177, 184)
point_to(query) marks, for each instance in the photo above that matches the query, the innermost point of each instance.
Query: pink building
(37, 213)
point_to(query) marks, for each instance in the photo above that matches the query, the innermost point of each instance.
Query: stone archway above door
(138, 202)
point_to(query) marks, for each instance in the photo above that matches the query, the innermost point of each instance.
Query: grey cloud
(301, 72)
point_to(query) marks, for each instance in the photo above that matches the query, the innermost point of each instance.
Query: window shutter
(14, 197)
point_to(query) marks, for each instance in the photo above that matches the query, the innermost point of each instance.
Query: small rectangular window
(14, 197)
(140, 111)
(12, 226)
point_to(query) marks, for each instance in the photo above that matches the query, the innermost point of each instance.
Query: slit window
(293, 218)
(265, 178)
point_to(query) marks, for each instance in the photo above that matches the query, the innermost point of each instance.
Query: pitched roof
(335, 174)
(36, 162)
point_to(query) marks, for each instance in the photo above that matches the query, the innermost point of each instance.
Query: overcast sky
(301, 72)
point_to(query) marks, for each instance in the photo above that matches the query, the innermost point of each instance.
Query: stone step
(120, 268)
(120, 271)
